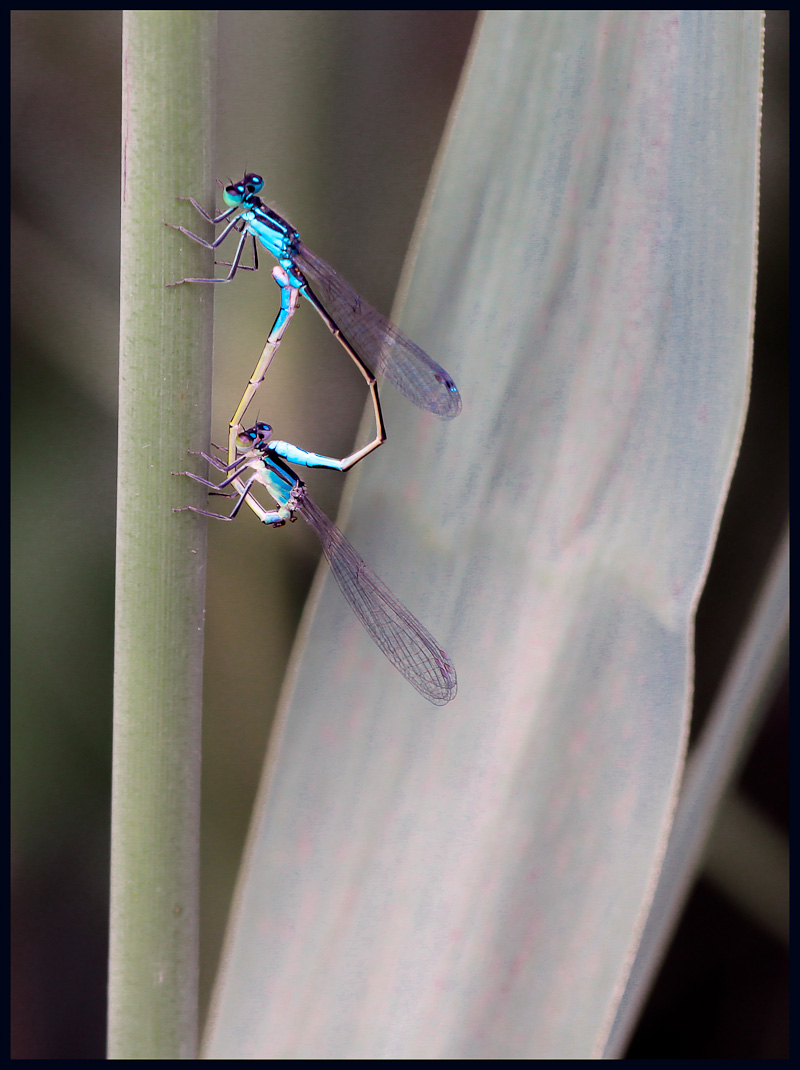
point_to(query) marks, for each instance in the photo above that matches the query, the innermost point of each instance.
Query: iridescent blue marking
(362, 330)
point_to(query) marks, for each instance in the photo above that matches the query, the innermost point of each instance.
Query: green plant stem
(169, 60)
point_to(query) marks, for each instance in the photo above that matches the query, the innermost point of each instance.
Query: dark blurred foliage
(723, 989)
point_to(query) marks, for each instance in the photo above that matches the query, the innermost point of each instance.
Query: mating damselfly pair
(377, 347)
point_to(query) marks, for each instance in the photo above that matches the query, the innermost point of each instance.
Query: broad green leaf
(471, 882)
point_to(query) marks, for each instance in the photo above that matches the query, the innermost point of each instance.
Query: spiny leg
(267, 516)
(211, 219)
(212, 245)
(243, 267)
(245, 491)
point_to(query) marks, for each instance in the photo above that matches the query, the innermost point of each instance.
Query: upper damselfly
(369, 338)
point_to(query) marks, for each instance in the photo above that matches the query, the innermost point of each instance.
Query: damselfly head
(241, 192)
(253, 437)
(234, 195)
(253, 183)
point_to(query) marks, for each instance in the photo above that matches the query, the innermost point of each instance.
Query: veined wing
(411, 648)
(382, 346)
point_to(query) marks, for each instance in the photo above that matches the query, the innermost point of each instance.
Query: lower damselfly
(406, 643)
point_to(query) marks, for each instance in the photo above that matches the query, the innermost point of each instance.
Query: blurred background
(342, 112)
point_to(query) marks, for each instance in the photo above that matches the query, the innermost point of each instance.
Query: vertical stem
(169, 64)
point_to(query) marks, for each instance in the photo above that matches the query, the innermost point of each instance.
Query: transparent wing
(411, 648)
(383, 347)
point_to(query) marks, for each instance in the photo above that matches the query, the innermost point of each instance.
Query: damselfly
(368, 337)
(406, 643)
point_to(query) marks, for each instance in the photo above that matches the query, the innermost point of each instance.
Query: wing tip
(447, 689)
(450, 403)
